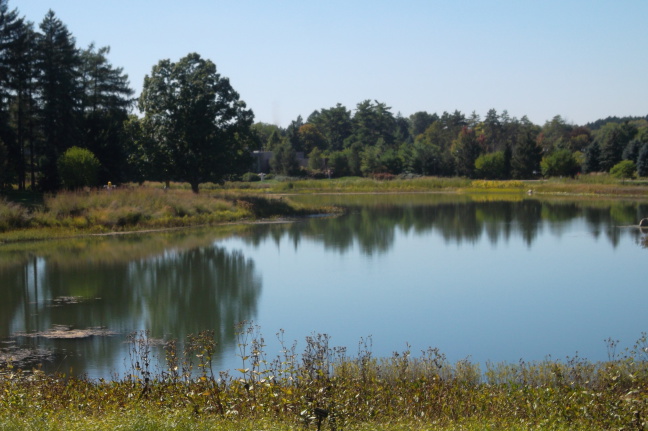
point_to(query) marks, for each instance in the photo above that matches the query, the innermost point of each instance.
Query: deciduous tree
(196, 120)
(491, 166)
(78, 167)
(560, 163)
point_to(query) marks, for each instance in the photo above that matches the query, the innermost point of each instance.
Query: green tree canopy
(491, 166)
(58, 80)
(284, 159)
(78, 167)
(612, 139)
(642, 161)
(466, 149)
(196, 120)
(525, 161)
(420, 121)
(560, 163)
(624, 169)
(316, 160)
(335, 124)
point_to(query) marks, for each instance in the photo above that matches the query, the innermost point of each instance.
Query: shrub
(250, 177)
(78, 167)
(491, 166)
(623, 169)
(383, 176)
(560, 163)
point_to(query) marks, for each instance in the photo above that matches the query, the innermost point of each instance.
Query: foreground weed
(321, 387)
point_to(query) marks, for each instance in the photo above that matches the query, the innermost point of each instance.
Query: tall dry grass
(13, 216)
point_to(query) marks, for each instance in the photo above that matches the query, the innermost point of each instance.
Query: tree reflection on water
(170, 290)
(372, 224)
(178, 283)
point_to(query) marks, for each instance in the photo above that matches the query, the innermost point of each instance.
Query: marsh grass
(585, 185)
(591, 185)
(352, 185)
(137, 208)
(324, 387)
(12, 216)
(150, 206)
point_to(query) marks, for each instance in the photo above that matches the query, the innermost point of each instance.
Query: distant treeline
(55, 97)
(372, 141)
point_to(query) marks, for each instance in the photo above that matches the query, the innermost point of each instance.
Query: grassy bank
(135, 208)
(296, 391)
(587, 185)
(29, 216)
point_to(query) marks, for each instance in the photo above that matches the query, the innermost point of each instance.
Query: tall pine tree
(60, 95)
(9, 25)
(106, 99)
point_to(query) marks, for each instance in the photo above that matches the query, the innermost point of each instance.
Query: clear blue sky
(581, 59)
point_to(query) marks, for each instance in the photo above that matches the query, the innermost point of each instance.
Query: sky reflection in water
(489, 281)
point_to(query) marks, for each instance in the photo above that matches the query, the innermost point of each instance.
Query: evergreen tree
(106, 102)
(420, 121)
(5, 181)
(508, 156)
(292, 133)
(284, 159)
(10, 24)
(335, 124)
(371, 122)
(60, 95)
(612, 139)
(592, 158)
(274, 140)
(23, 69)
(642, 161)
(631, 151)
(525, 161)
(554, 135)
(492, 129)
(466, 149)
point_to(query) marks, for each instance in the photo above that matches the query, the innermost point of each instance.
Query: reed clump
(323, 387)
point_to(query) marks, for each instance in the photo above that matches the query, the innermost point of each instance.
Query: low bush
(624, 170)
(250, 177)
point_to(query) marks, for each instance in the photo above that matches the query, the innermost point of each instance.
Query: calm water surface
(479, 279)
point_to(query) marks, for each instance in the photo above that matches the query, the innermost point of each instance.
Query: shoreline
(242, 204)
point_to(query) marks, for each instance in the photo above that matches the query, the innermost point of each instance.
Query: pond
(481, 278)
